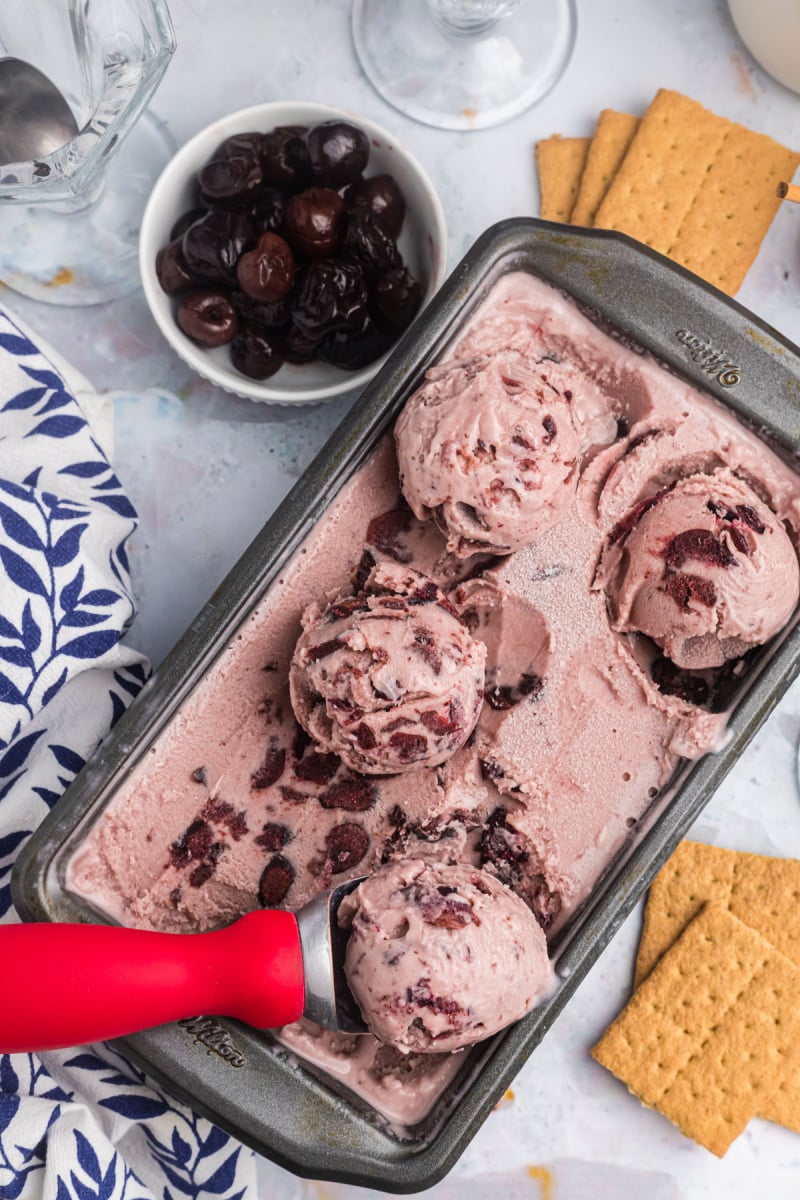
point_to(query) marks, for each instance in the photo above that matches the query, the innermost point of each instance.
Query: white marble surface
(205, 470)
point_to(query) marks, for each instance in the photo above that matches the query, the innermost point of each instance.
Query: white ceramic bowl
(423, 244)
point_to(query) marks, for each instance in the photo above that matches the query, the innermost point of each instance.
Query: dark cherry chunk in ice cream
(193, 844)
(271, 769)
(685, 588)
(508, 853)
(503, 696)
(387, 533)
(354, 795)
(345, 846)
(702, 546)
(274, 836)
(674, 681)
(276, 879)
(319, 768)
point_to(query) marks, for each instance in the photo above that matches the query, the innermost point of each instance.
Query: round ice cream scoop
(441, 956)
(64, 985)
(488, 447)
(704, 568)
(389, 679)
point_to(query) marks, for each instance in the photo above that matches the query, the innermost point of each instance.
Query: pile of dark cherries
(290, 254)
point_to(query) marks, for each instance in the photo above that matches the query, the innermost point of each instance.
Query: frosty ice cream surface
(586, 539)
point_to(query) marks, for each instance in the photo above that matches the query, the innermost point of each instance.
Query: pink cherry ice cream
(488, 447)
(426, 686)
(441, 956)
(389, 679)
(704, 568)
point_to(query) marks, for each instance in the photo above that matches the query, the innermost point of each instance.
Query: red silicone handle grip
(63, 985)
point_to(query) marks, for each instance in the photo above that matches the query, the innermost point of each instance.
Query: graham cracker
(695, 875)
(760, 891)
(612, 136)
(712, 1032)
(559, 162)
(698, 188)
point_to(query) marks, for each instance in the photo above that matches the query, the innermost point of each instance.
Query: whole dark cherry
(233, 180)
(266, 273)
(366, 240)
(208, 317)
(171, 269)
(333, 296)
(284, 157)
(213, 245)
(354, 349)
(257, 352)
(184, 221)
(381, 196)
(312, 222)
(271, 316)
(338, 152)
(396, 297)
(247, 145)
(269, 207)
(297, 348)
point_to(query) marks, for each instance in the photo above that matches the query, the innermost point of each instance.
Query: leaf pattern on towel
(65, 678)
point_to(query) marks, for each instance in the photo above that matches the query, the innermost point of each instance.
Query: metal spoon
(35, 119)
(64, 985)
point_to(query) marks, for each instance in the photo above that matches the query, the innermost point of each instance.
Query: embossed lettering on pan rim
(207, 1032)
(713, 362)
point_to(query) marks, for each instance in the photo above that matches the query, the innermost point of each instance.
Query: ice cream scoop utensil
(35, 119)
(64, 985)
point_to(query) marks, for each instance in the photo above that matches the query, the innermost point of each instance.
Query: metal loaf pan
(231, 1073)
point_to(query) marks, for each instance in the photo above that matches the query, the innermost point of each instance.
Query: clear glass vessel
(69, 220)
(463, 64)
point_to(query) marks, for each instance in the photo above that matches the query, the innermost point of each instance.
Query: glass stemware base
(86, 253)
(467, 82)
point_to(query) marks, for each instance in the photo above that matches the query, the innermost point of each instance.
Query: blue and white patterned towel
(80, 1124)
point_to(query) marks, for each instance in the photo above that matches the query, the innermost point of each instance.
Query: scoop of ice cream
(488, 447)
(704, 568)
(389, 679)
(441, 956)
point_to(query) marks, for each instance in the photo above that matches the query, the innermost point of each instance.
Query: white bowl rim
(236, 383)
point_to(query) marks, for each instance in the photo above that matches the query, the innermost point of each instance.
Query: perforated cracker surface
(698, 188)
(559, 162)
(612, 137)
(712, 1032)
(762, 891)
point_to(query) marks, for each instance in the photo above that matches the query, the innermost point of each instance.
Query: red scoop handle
(63, 985)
